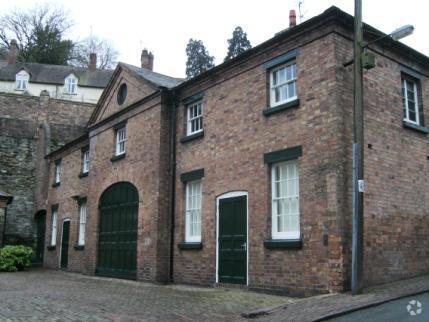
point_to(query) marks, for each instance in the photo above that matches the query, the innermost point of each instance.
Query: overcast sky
(165, 26)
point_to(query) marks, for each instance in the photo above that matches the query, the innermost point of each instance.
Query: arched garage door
(117, 246)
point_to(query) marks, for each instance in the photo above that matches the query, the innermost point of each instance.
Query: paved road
(46, 295)
(395, 311)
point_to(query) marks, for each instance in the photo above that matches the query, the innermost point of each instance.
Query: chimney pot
(13, 52)
(292, 18)
(146, 59)
(92, 62)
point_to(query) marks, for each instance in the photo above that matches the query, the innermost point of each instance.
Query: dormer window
(21, 80)
(71, 85)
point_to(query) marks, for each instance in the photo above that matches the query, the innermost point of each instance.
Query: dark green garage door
(117, 248)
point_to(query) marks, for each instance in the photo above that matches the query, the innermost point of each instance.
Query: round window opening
(122, 94)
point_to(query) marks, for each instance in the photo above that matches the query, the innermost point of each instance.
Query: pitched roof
(152, 77)
(55, 74)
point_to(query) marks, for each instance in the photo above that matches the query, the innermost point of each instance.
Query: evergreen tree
(237, 44)
(199, 59)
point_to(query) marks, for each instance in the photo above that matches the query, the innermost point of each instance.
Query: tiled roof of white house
(55, 74)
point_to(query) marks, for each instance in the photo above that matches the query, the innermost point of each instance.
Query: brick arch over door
(117, 242)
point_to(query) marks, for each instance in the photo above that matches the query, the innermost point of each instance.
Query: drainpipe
(174, 105)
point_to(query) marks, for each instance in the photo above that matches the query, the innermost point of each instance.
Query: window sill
(79, 247)
(83, 174)
(283, 243)
(415, 127)
(272, 110)
(51, 247)
(117, 157)
(56, 184)
(192, 137)
(188, 246)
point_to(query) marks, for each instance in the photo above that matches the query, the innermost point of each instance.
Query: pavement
(329, 306)
(409, 309)
(50, 295)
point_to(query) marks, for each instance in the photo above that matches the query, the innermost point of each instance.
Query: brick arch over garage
(117, 242)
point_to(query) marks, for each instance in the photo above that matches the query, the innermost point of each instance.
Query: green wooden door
(40, 239)
(65, 244)
(117, 246)
(233, 240)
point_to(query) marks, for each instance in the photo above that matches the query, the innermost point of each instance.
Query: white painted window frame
(82, 223)
(58, 172)
(273, 87)
(85, 161)
(190, 209)
(121, 138)
(416, 101)
(275, 233)
(54, 223)
(195, 112)
(71, 85)
(21, 80)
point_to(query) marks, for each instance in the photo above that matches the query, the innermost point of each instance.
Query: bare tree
(39, 32)
(107, 55)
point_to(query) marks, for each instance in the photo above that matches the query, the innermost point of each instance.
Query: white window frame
(54, 222)
(21, 80)
(275, 233)
(71, 84)
(405, 100)
(85, 161)
(194, 112)
(58, 171)
(82, 223)
(121, 138)
(190, 209)
(273, 87)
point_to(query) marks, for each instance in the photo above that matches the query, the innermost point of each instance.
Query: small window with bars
(121, 138)
(283, 84)
(195, 118)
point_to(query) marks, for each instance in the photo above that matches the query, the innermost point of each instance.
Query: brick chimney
(92, 61)
(292, 18)
(13, 52)
(147, 59)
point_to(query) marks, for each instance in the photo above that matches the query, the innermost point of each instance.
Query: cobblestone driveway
(45, 295)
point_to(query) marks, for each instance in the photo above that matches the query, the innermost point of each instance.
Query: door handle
(244, 246)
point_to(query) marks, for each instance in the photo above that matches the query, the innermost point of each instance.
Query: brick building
(242, 175)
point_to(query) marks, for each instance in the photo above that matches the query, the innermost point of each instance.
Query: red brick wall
(143, 167)
(396, 170)
(236, 136)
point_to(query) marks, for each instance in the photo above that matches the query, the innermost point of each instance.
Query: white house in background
(62, 82)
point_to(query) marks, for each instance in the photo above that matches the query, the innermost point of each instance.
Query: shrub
(15, 258)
